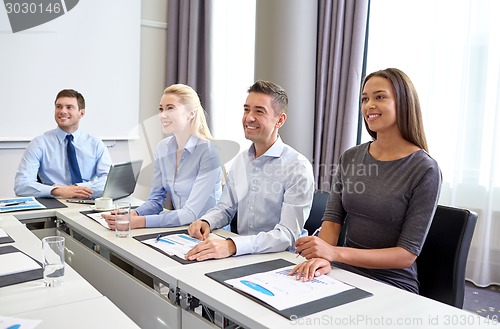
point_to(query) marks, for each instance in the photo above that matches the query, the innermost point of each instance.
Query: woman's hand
(314, 247)
(311, 268)
(136, 221)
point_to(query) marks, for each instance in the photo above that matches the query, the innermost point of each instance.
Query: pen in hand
(314, 234)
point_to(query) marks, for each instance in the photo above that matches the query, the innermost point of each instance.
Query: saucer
(93, 208)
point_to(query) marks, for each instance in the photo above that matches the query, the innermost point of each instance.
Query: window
(234, 45)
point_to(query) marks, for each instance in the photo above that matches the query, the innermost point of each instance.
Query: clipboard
(15, 278)
(293, 312)
(154, 235)
(6, 239)
(87, 213)
(51, 203)
(48, 203)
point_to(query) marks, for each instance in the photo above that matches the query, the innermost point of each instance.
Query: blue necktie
(74, 170)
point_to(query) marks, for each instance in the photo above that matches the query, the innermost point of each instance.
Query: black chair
(317, 210)
(234, 223)
(442, 261)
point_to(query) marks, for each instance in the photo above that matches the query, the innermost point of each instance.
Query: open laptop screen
(121, 181)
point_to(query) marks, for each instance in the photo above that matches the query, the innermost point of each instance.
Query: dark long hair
(408, 113)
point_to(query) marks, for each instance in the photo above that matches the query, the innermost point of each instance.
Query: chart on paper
(175, 244)
(280, 290)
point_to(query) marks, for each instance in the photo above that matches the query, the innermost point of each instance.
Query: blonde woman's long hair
(189, 97)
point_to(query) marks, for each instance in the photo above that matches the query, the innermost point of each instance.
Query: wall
(285, 53)
(152, 80)
(75, 50)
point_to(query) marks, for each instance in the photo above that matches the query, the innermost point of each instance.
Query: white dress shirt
(273, 197)
(46, 157)
(195, 186)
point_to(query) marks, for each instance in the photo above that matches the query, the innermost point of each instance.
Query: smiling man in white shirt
(44, 170)
(270, 186)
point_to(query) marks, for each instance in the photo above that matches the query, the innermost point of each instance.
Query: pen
(9, 204)
(314, 234)
(158, 238)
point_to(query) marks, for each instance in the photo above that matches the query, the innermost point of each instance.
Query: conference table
(140, 284)
(72, 302)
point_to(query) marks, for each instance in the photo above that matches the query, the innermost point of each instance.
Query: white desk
(389, 307)
(144, 305)
(91, 313)
(131, 250)
(33, 295)
(8, 219)
(35, 301)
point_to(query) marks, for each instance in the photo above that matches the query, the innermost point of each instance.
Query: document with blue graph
(175, 244)
(282, 291)
(21, 203)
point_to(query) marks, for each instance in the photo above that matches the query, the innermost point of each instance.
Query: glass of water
(53, 260)
(122, 224)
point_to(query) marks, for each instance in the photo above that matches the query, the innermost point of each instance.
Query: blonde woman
(186, 165)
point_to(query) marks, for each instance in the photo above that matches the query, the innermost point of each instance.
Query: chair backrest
(442, 261)
(317, 210)
(234, 223)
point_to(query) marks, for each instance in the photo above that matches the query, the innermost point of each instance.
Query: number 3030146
(33, 8)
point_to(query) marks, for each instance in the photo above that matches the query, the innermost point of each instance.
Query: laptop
(121, 181)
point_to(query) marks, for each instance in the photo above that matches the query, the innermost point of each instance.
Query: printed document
(9, 322)
(282, 291)
(98, 218)
(176, 244)
(16, 262)
(23, 203)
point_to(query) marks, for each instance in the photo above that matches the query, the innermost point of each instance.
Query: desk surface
(389, 307)
(133, 251)
(33, 295)
(33, 300)
(98, 312)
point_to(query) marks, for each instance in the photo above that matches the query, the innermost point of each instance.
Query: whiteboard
(93, 48)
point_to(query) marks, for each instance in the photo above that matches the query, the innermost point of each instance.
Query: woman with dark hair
(385, 192)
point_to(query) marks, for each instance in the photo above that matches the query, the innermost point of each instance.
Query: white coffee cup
(104, 203)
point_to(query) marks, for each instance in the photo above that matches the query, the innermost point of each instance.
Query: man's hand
(72, 191)
(212, 248)
(199, 229)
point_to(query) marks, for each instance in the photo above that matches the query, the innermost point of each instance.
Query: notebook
(121, 181)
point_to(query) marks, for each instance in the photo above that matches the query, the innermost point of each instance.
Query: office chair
(317, 210)
(315, 216)
(442, 261)
(234, 223)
